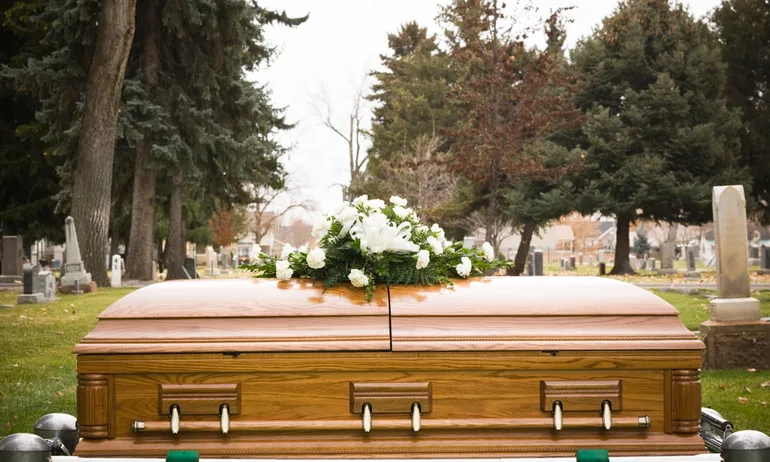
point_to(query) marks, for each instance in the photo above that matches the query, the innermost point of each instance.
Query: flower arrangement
(368, 241)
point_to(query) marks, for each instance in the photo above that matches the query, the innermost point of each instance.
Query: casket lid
(241, 315)
(535, 313)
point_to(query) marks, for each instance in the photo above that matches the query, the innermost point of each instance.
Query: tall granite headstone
(13, 259)
(33, 292)
(764, 260)
(734, 335)
(73, 268)
(692, 272)
(189, 268)
(537, 260)
(667, 254)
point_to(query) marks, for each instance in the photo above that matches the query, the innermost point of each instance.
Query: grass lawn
(37, 367)
(38, 376)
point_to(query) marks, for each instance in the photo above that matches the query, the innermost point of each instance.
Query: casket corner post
(95, 401)
(685, 401)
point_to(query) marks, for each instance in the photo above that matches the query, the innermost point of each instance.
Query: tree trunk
(622, 247)
(115, 239)
(92, 178)
(175, 245)
(521, 254)
(139, 259)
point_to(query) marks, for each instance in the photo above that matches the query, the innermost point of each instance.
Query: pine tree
(744, 29)
(658, 133)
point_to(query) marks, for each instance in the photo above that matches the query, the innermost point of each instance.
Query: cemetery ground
(38, 374)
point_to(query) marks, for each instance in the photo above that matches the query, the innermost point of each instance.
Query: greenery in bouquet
(369, 242)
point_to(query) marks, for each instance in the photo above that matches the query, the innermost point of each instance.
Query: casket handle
(558, 419)
(416, 417)
(224, 419)
(366, 420)
(606, 415)
(174, 419)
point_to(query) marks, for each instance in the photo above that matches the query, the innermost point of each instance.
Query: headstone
(28, 278)
(530, 268)
(764, 254)
(49, 292)
(580, 258)
(667, 255)
(754, 256)
(735, 336)
(74, 271)
(212, 262)
(224, 260)
(602, 269)
(537, 258)
(116, 271)
(651, 264)
(600, 256)
(235, 262)
(691, 271)
(189, 267)
(13, 259)
(633, 262)
(77, 290)
(642, 262)
(572, 262)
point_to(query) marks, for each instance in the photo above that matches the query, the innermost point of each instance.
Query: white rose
(347, 214)
(287, 250)
(401, 212)
(439, 232)
(489, 252)
(316, 258)
(376, 204)
(255, 251)
(435, 245)
(395, 200)
(360, 200)
(358, 278)
(464, 268)
(282, 270)
(321, 227)
(423, 258)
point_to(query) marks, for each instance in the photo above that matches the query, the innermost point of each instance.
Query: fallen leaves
(743, 400)
(751, 369)
(59, 394)
(721, 386)
(765, 385)
(747, 389)
(763, 404)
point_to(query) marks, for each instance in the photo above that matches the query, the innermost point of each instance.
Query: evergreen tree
(744, 29)
(28, 179)
(641, 245)
(658, 133)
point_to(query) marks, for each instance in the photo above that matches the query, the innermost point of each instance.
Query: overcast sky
(329, 56)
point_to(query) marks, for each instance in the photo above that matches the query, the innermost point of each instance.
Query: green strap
(592, 455)
(182, 456)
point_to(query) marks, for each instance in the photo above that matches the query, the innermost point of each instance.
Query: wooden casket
(494, 367)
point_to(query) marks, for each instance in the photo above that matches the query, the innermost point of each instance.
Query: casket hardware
(558, 420)
(224, 419)
(416, 417)
(606, 415)
(174, 419)
(366, 419)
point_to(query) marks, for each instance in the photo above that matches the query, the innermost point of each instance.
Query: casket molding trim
(235, 340)
(537, 338)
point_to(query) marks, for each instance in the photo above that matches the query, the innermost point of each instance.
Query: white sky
(334, 50)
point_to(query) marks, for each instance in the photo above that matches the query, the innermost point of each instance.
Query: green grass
(694, 309)
(721, 390)
(37, 367)
(38, 375)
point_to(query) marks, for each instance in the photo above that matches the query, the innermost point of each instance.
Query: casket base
(399, 446)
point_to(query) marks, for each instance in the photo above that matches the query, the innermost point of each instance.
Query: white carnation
(489, 252)
(316, 258)
(360, 200)
(287, 250)
(321, 227)
(395, 200)
(347, 214)
(435, 245)
(464, 268)
(282, 270)
(358, 278)
(255, 251)
(423, 258)
(302, 248)
(376, 204)
(401, 212)
(423, 229)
